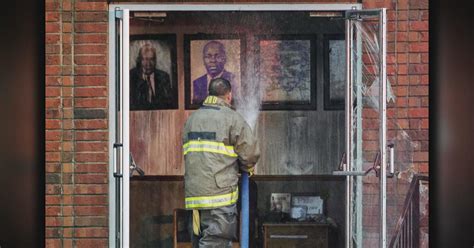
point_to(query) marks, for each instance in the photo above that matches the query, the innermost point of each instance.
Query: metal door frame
(125, 145)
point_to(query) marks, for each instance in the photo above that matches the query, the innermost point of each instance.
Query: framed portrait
(334, 71)
(287, 71)
(208, 56)
(153, 76)
(314, 204)
(280, 202)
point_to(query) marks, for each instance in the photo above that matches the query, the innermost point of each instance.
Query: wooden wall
(292, 142)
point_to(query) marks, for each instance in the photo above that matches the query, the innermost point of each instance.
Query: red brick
(67, 27)
(91, 242)
(51, 6)
(53, 210)
(91, 17)
(402, 80)
(420, 157)
(402, 36)
(414, 15)
(53, 189)
(419, 25)
(425, 79)
(90, 60)
(90, 80)
(418, 112)
(91, 232)
(414, 102)
(90, 92)
(91, 146)
(67, 59)
(90, 124)
(52, 200)
(53, 243)
(401, 102)
(419, 47)
(52, 16)
(90, 49)
(53, 135)
(67, 48)
(53, 124)
(91, 221)
(53, 81)
(53, 113)
(418, 69)
(52, 59)
(52, 48)
(424, 14)
(54, 221)
(66, 17)
(413, 36)
(90, 200)
(402, 47)
(89, 178)
(92, 189)
(91, 157)
(90, 70)
(91, 168)
(90, 38)
(402, 26)
(52, 232)
(88, 135)
(53, 146)
(91, 27)
(90, 210)
(53, 167)
(53, 70)
(52, 102)
(53, 156)
(52, 38)
(90, 102)
(419, 91)
(67, 6)
(424, 124)
(414, 58)
(414, 79)
(90, 6)
(425, 58)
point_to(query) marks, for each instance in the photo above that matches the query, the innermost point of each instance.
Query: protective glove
(248, 168)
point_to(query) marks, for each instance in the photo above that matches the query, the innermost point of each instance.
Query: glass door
(366, 125)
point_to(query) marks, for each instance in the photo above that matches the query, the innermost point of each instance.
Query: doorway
(297, 148)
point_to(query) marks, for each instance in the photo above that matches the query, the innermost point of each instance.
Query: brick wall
(76, 109)
(76, 124)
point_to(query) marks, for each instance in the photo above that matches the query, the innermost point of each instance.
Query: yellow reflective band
(212, 201)
(211, 100)
(210, 150)
(208, 146)
(207, 142)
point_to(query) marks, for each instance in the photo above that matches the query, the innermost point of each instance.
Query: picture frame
(211, 55)
(280, 202)
(334, 71)
(153, 86)
(286, 68)
(313, 203)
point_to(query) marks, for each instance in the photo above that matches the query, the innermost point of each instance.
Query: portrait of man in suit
(151, 87)
(214, 58)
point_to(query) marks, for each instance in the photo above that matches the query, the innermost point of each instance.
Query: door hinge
(118, 13)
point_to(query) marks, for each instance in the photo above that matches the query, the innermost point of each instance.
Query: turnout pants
(218, 227)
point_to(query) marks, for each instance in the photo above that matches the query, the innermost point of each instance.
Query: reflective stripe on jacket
(215, 139)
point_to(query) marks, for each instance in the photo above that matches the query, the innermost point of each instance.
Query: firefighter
(217, 141)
